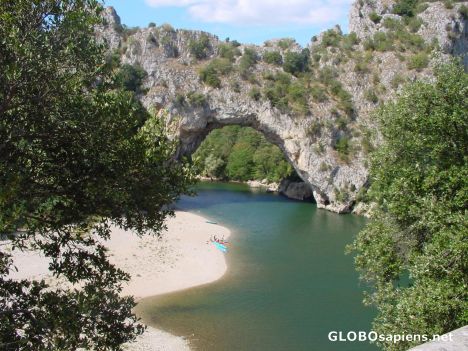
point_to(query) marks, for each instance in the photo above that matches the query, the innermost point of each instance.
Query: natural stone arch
(192, 124)
(164, 53)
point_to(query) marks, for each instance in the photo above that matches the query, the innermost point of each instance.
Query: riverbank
(182, 258)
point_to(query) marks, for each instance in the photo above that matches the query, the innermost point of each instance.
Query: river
(288, 285)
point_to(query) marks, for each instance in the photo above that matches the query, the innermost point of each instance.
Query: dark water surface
(288, 285)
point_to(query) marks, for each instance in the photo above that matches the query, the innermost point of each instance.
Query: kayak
(211, 222)
(220, 247)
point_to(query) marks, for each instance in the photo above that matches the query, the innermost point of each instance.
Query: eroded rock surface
(328, 144)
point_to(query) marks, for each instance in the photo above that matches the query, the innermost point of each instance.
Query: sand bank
(180, 259)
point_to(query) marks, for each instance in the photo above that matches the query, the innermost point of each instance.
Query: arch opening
(242, 153)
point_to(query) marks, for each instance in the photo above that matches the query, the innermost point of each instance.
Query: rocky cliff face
(328, 137)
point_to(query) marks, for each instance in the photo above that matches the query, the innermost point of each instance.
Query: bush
(318, 93)
(331, 38)
(297, 95)
(315, 128)
(397, 80)
(324, 167)
(152, 25)
(371, 96)
(350, 40)
(276, 92)
(341, 195)
(463, 11)
(327, 75)
(381, 41)
(255, 94)
(405, 8)
(211, 72)
(342, 146)
(196, 99)
(199, 48)
(414, 23)
(286, 43)
(374, 17)
(295, 62)
(249, 59)
(131, 77)
(418, 61)
(228, 51)
(273, 57)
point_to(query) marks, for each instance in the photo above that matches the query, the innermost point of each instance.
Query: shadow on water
(288, 285)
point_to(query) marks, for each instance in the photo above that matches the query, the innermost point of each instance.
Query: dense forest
(241, 153)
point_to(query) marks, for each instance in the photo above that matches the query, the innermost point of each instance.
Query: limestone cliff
(323, 120)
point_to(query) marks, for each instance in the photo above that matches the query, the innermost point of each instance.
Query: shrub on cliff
(414, 251)
(296, 62)
(199, 47)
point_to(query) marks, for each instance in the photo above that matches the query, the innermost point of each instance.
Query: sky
(247, 21)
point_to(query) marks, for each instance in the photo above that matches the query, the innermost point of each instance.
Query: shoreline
(180, 259)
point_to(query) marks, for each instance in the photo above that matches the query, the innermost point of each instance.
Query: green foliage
(273, 57)
(295, 62)
(236, 153)
(342, 146)
(315, 128)
(448, 4)
(286, 43)
(413, 23)
(318, 93)
(210, 74)
(297, 96)
(151, 25)
(397, 37)
(418, 61)
(131, 77)
(341, 195)
(199, 48)
(349, 41)
(397, 80)
(405, 7)
(248, 60)
(463, 11)
(420, 184)
(276, 92)
(196, 99)
(228, 51)
(255, 94)
(374, 17)
(381, 41)
(371, 96)
(332, 38)
(78, 155)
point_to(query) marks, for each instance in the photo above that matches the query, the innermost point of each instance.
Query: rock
(269, 187)
(456, 340)
(295, 190)
(173, 72)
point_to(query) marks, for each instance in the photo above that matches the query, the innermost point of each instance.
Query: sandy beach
(180, 259)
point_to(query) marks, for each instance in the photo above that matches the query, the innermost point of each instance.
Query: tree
(199, 48)
(77, 155)
(414, 251)
(296, 62)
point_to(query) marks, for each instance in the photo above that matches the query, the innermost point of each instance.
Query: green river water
(288, 285)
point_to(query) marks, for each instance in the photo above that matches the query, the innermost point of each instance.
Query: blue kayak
(220, 247)
(211, 222)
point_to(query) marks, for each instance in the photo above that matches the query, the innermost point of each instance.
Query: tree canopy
(78, 154)
(241, 153)
(414, 250)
